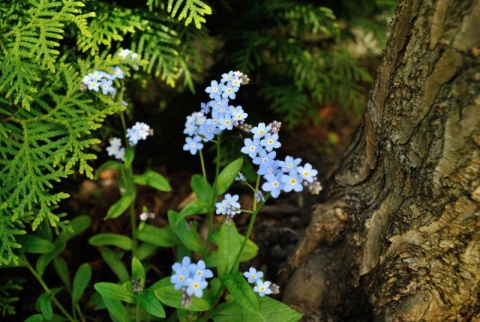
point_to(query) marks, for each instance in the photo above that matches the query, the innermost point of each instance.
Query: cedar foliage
(296, 52)
(47, 123)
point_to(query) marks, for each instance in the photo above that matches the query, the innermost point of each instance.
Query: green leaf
(196, 207)
(153, 179)
(163, 237)
(241, 291)
(120, 206)
(138, 272)
(36, 245)
(227, 176)
(185, 232)
(61, 269)
(113, 260)
(172, 297)
(228, 248)
(35, 318)
(129, 156)
(202, 188)
(145, 250)
(151, 303)
(110, 239)
(270, 310)
(80, 282)
(45, 304)
(249, 251)
(78, 225)
(117, 310)
(112, 165)
(115, 292)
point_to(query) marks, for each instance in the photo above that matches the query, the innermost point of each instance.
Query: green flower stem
(202, 162)
(217, 168)
(138, 314)
(77, 309)
(255, 211)
(210, 215)
(45, 287)
(133, 223)
(130, 186)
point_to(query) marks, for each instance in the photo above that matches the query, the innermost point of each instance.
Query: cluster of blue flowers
(261, 287)
(104, 80)
(279, 175)
(191, 278)
(137, 132)
(115, 149)
(216, 115)
(229, 207)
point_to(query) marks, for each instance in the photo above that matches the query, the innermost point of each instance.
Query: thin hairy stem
(46, 288)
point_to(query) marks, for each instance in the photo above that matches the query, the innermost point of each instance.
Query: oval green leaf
(172, 297)
(187, 234)
(36, 245)
(80, 282)
(241, 291)
(114, 261)
(138, 272)
(196, 207)
(227, 176)
(201, 187)
(120, 206)
(61, 268)
(117, 310)
(115, 292)
(151, 303)
(45, 304)
(109, 239)
(162, 237)
(153, 179)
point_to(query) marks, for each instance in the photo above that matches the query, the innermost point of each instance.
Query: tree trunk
(397, 236)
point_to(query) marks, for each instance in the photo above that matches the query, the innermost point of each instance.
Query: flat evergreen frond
(19, 79)
(305, 19)
(193, 10)
(250, 53)
(7, 285)
(43, 145)
(45, 25)
(196, 45)
(158, 46)
(30, 45)
(8, 232)
(111, 24)
(289, 102)
(154, 4)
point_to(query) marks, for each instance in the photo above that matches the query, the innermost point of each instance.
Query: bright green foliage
(30, 46)
(47, 122)
(192, 10)
(110, 26)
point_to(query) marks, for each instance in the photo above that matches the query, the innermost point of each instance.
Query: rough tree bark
(397, 236)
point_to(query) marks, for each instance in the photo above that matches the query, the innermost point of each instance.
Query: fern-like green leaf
(9, 230)
(111, 25)
(30, 45)
(8, 284)
(193, 10)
